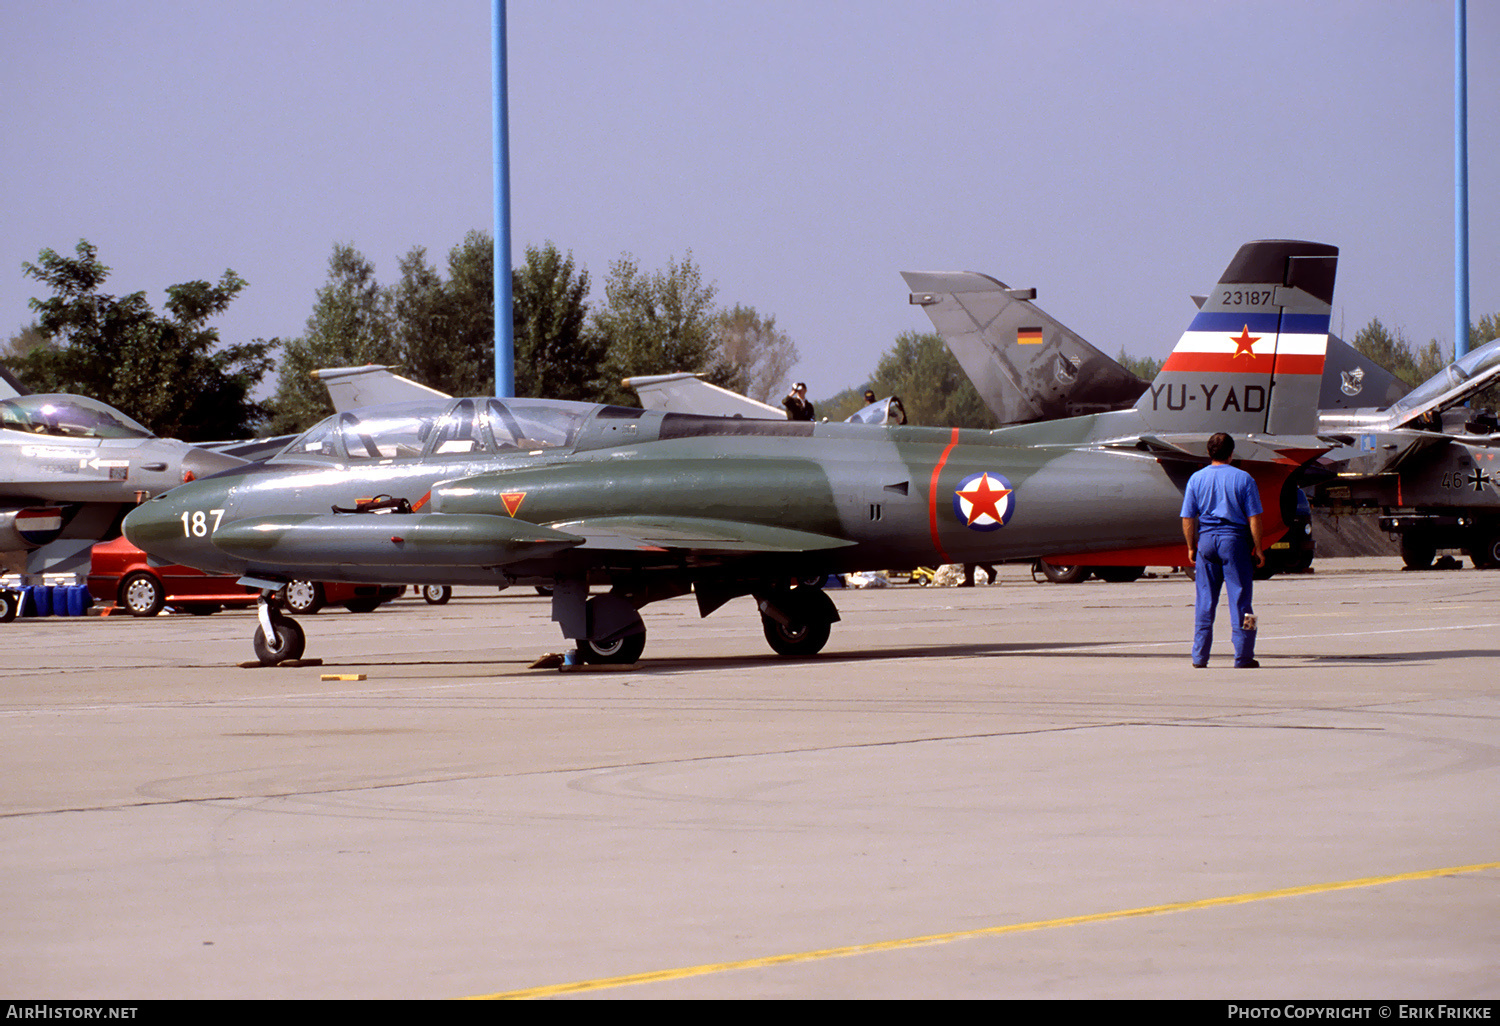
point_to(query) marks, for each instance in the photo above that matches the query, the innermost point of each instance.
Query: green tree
(351, 324)
(1394, 352)
(757, 356)
(1485, 330)
(170, 372)
(657, 323)
(922, 371)
(1144, 367)
(446, 328)
(559, 355)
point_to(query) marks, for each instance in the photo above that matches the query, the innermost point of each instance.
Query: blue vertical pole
(505, 370)
(1460, 183)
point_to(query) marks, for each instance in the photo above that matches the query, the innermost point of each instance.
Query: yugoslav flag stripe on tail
(1251, 360)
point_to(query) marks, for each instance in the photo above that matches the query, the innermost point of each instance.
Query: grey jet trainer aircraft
(654, 505)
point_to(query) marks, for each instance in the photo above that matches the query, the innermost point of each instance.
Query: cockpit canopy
(67, 416)
(441, 427)
(1482, 362)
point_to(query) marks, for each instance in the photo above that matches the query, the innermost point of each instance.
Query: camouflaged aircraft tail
(1025, 365)
(1251, 362)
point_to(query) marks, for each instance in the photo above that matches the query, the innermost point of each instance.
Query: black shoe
(1199, 666)
(1251, 664)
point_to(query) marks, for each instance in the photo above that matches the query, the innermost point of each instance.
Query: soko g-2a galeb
(484, 491)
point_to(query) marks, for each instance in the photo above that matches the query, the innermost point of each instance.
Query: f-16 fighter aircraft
(653, 504)
(69, 465)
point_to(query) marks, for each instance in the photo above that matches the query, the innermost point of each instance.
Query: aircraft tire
(799, 638)
(1119, 574)
(303, 597)
(362, 605)
(290, 642)
(142, 594)
(203, 608)
(1417, 551)
(437, 594)
(1065, 574)
(10, 605)
(1486, 554)
(626, 649)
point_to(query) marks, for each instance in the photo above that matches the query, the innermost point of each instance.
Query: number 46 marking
(195, 523)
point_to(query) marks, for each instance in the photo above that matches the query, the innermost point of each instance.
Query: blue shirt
(1221, 496)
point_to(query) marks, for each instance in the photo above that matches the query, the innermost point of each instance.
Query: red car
(120, 574)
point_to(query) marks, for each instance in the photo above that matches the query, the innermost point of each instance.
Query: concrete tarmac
(1015, 791)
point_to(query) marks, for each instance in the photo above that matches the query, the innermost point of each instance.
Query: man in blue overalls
(1221, 522)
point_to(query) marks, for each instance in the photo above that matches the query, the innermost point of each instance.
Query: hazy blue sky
(1112, 154)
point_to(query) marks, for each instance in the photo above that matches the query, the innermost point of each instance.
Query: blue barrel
(41, 600)
(79, 600)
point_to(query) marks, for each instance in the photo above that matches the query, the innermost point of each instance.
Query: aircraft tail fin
(1251, 362)
(1025, 365)
(371, 385)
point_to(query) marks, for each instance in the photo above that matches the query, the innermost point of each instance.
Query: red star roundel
(983, 501)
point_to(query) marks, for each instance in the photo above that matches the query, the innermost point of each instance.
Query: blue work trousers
(1224, 555)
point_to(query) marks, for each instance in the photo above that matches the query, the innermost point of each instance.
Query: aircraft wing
(687, 393)
(697, 534)
(1025, 365)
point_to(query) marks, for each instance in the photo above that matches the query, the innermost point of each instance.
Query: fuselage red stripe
(932, 493)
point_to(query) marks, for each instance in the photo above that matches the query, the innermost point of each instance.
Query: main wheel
(1486, 553)
(304, 597)
(1417, 550)
(363, 605)
(1065, 574)
(437, 594)
(203, 608)
(798, 638)
(142, 594)
(289, 643)
(10, 605)
(625, 649)
(1119, 574)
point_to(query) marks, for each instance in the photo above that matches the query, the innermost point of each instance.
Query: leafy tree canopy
(756, 355)
(921, 370)
(559, 353)
(170, 372)
(657, 323)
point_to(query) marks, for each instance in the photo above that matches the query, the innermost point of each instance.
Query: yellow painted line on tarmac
(663, 975)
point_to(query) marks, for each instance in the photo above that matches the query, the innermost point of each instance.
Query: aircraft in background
(353, 387)
(71, 466)
(1027, 366)
(654, 505)
(1426, 463)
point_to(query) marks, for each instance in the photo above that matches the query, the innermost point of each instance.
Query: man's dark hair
(1220, 448)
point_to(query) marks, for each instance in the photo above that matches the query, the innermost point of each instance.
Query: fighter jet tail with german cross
(616, 508)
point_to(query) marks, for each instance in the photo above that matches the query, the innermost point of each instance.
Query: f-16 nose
(200, 463)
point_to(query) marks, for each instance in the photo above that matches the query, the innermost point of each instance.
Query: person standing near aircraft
(1221, 513)
(797, 406)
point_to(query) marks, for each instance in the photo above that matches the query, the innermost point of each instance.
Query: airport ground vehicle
(121, 574)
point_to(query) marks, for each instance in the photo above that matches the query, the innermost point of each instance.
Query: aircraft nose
(178, 527)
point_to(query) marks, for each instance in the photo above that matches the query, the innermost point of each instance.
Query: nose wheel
(278, 638)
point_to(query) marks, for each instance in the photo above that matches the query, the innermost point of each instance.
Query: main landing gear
(608, 628)
(797, 621)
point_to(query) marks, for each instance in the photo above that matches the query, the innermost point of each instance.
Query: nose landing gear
(278, 638)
